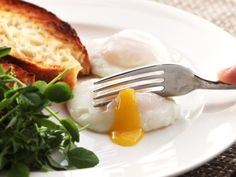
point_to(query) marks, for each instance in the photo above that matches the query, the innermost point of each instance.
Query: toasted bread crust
(55, 27)
(39, 73)
(21, 74)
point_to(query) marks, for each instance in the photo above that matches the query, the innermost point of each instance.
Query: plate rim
(197, 20)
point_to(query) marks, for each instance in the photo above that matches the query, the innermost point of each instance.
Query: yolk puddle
(126, 130)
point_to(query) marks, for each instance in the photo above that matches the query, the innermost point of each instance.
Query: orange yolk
(126, 129)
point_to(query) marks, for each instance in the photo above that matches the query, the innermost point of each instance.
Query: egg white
(156, 111)
(82, 111)
(124, 50)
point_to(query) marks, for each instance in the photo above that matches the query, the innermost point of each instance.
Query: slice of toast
(41, 42)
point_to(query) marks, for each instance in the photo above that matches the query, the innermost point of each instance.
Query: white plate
(187, 144)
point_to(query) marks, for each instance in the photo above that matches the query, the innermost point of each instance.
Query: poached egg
(132, 113)
(124, 50)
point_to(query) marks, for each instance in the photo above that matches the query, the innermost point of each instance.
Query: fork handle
(206, 84)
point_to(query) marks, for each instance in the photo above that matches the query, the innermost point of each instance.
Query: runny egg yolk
(126, 129)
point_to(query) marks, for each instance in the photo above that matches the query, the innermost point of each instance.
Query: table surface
(223, 14)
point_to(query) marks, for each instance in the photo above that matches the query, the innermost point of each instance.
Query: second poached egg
(124, 50)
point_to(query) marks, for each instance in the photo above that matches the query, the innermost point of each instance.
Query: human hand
(228, 75)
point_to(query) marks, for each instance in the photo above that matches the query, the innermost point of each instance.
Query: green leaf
(12, 122)
(82, 158)
(7, 101)
(2, 158)
(41, 85)
(67, 142)
(9, 93)
(2, 162)
(1, 70)
(18, 170)
(72, 128)
(33, 99)
(47, 123)
(54, 164)
(4, 51)
(59, 92)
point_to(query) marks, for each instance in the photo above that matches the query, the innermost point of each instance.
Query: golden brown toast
(41, 42)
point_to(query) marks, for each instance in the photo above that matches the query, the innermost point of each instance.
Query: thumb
(228, 75)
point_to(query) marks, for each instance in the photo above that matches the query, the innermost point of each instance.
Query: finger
(228, 75)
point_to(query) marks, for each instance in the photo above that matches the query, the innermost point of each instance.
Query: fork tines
(148, 78)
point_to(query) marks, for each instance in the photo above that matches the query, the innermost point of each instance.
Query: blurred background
(220, 12)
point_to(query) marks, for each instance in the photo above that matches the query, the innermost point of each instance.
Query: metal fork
(165, 80)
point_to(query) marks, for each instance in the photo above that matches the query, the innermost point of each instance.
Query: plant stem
(53, 113)
(59, 76)
(8, 113)
(84, 127)
(13, 78)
